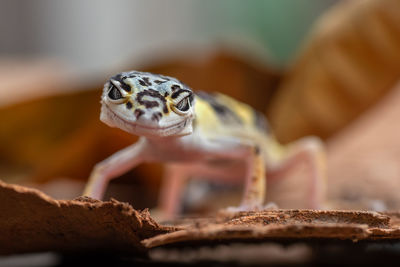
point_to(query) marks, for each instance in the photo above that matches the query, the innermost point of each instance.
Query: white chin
(107, 118)
(157, 132)
(180, 129)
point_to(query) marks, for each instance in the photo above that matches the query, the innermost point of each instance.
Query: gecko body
(190, 132)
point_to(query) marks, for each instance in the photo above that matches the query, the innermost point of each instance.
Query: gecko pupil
(183, 105)
(114, 93)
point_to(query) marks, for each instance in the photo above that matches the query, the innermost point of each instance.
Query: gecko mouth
(136, 126)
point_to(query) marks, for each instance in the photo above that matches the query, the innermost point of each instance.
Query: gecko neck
(161, 139)
(167, 142)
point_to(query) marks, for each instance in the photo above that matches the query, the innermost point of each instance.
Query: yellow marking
(206, 117)
(129, 82)
(209, 120)
(169, 103)
(243, 111)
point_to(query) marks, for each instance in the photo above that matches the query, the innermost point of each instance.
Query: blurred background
(327, 68)
(95, 36)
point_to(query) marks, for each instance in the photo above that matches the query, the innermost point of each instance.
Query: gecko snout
(146, 117)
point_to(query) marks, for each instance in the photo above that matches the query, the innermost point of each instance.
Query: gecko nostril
(156, 116)
(138, 113)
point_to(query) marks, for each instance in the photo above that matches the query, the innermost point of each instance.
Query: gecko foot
(241, 208)
(270, 206)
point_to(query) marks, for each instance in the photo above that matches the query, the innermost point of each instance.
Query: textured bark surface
(300, 225)
(32, 222)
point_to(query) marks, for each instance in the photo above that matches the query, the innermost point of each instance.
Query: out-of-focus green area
(278, 26)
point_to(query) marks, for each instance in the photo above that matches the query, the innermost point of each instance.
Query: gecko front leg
(176, 176)
(215, 149)
(255, 184)
(255, 181)
(311, 151)
(114, 166)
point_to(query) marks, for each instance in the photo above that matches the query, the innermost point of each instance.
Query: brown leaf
(350, 60)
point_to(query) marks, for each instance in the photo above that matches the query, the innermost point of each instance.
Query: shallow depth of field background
(327, 68)
(92, 37)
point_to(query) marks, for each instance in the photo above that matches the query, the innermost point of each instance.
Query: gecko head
(147, 104)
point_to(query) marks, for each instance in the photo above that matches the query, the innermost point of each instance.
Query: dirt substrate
(30, 221)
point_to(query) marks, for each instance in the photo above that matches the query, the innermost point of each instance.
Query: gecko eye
(183, 106)
(114, 93)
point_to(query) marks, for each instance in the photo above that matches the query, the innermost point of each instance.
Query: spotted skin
(128, 105)
(123, 85)
(221, 109)
(191, 130)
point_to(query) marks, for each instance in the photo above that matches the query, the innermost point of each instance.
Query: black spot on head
(175, 87)
(165, 109)
(149, 103)
(257, 150)
(128, 105)
(159, 82)
(154, 93)
(146, 80)
(138, 112)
